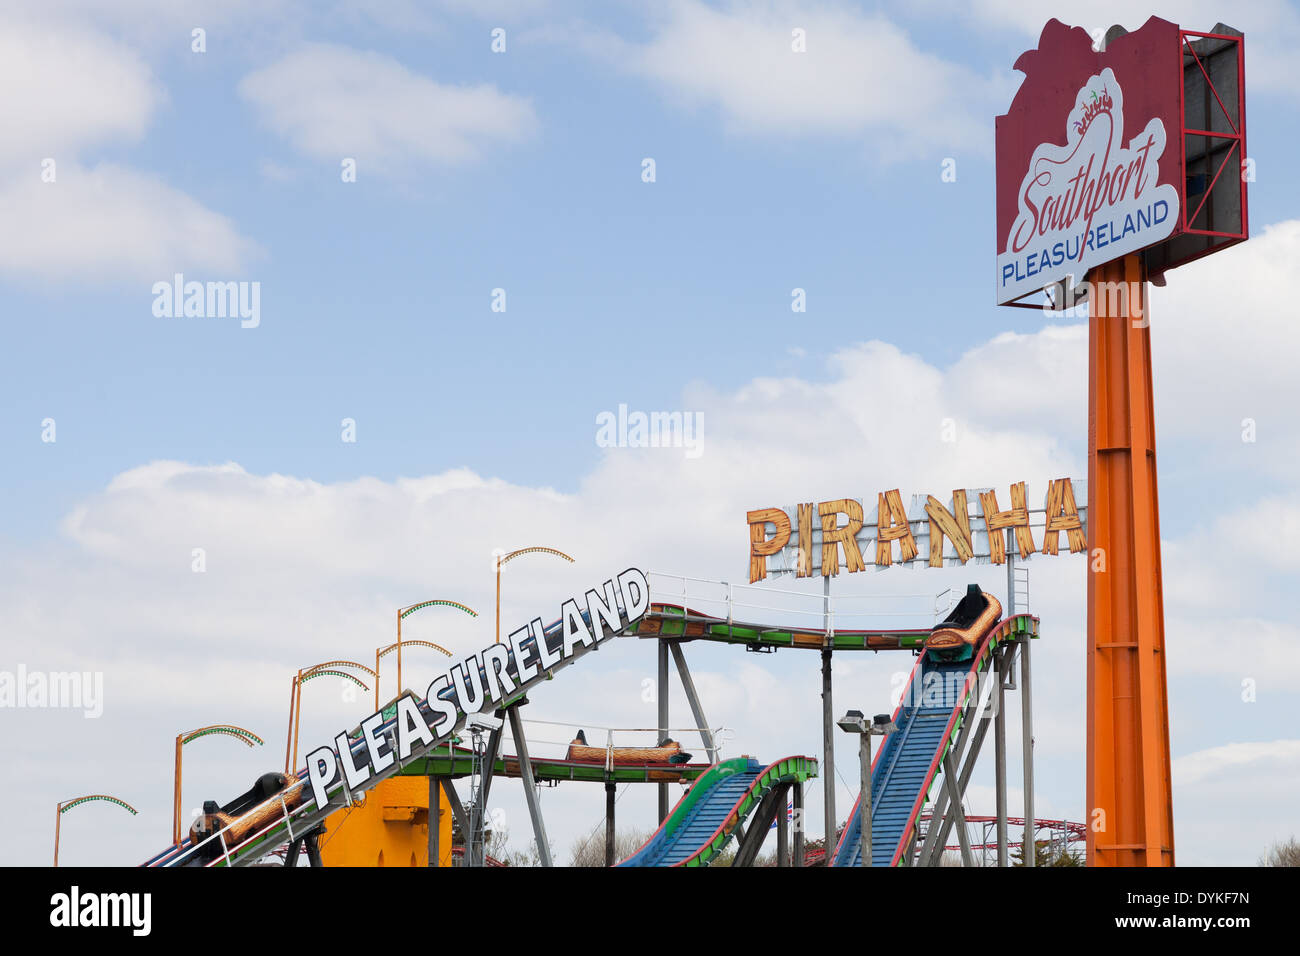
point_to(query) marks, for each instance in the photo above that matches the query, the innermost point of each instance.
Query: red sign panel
(1092, 157)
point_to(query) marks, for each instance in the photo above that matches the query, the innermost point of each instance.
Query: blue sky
(375, 292)
(522, 171)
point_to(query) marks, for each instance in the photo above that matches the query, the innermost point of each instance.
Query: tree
(1046, 855)
(1282, 853)
(590, 850)
(496, 844)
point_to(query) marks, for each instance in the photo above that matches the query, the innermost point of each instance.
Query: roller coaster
(941, 720)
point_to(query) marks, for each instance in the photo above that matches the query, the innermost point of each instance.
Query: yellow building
(388, 826)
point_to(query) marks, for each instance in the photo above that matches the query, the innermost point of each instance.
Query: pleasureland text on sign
(482, 681)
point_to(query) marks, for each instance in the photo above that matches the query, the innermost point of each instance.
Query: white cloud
(1227, 800)
(1272, 27)
(167, 23)
(1205, 766)
(1224, 333)
(979, 382)
(112, 222)
(62, 90)
(332, 102)
(861, 78)
(64, 93)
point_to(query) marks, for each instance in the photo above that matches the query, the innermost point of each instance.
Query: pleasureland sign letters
(482, 681)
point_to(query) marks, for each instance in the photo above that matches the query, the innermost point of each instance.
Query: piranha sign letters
(808, 537)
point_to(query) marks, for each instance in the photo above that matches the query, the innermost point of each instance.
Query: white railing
(721, 599)
(806, 609)
(719, 736)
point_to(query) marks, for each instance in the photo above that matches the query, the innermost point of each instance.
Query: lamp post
(404, 612)
(381, 652)
(228, 730)
(67, 805)
(326, 669)
(502, 559)
(855, 723)
(479, 725)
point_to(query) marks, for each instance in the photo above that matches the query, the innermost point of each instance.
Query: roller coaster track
(445, 761)
(674, 620)
(928, 722)
(294, 823)
(708, 815)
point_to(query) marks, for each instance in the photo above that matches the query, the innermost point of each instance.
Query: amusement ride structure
(964, 667)
(1120, 202)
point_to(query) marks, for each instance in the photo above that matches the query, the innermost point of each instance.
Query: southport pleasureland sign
(854, 534)
(482, 681)
(1086, 170)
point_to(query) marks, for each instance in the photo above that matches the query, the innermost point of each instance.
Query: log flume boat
(956, 636)
(243, 815)
(667, 752)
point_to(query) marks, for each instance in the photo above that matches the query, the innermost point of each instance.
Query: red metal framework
(1235, 135)
(1071, 831)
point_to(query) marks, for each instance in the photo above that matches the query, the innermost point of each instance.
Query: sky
(385, 179)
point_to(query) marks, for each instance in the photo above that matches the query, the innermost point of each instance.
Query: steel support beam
(662, 701)
(1011, 552)
(828, 726)
(956, 813)
(932, 848)
(530, 791)
(1030, 855)
(458, 814)
(1000, 753)
(490, 761)
(693, 698)
(865, 814)
(1129, 799)
(828, 755)
(798, 823)
(759, 824)
(476, 851)
(782, 837)
(909, 855)
(311, 842)
(609, 823)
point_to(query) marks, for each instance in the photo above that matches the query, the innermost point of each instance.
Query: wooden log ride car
(667, 752)
(246, 814)
(957, 635)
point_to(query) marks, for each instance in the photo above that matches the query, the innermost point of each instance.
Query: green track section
(670, 620)
(457, 762)
(1010, 629)
(789, 770)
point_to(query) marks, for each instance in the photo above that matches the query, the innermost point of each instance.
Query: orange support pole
(288, 739)
(297, 724)
(176, 796)
(1129, 796)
